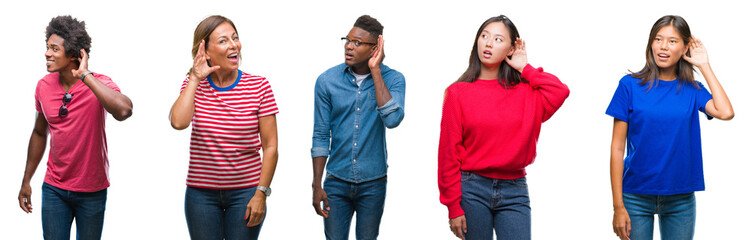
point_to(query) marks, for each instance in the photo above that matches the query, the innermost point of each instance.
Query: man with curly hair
(72, 104)
(354, 103)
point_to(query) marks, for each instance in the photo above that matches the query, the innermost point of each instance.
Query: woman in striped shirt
(233, 116)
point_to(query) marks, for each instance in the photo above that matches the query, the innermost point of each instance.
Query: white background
(144, 46)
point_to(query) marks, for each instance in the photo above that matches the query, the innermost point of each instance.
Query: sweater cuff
(529, 69)
(455, 210)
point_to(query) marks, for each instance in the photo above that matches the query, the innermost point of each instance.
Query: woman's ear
(511, 51)
(686, 51)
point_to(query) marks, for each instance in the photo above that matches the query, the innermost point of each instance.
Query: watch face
(267, 191)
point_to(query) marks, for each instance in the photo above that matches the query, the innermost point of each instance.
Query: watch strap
(84, 75)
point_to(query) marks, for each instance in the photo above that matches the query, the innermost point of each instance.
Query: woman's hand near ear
(519, 56)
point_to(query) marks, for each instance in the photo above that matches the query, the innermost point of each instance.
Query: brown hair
(684, 69)
(204, 30)
(507, 75)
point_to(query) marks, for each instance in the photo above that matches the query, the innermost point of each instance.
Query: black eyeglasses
(63, 109)
(356, 42)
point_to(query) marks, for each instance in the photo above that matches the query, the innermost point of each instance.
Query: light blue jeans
(676, 214)
(219, 214)
(495, 204)
(345, 198)
(60, 207)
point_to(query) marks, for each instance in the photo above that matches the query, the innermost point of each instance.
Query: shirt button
(356, 126)
(358, 92)
(355, 160)
(355, 144)
(358, 109)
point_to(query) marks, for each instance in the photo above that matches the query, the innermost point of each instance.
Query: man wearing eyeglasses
(354, 103)
(71, 102)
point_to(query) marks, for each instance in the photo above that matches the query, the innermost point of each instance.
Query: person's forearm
(618, 143)
(617, 173)
(117, 104)
(382, 92)
(37, 145)
(184, 107)
(720, 99)
(318, 171)
(268, 166)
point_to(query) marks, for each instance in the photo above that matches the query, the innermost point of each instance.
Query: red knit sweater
(492, 131)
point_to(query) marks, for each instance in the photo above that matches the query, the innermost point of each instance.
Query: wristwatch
(84, 75)
(267, 191)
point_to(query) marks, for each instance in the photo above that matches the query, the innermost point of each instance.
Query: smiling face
(358, 55)
(55, 54)
(668, 48)
(223, 47)
(494, 44)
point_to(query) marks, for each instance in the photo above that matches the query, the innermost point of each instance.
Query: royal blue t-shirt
(664, 154)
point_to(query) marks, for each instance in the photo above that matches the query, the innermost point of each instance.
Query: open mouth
(49, 62)
(348, 56)
(487, 54)
(663, 56)
(233, 57)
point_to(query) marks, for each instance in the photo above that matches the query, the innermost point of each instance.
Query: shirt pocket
(370, 102)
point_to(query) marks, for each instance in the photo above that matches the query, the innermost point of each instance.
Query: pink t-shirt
(225, 140)
(78, 144)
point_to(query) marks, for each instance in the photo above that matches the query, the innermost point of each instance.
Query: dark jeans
(60, 207)
(345, 198)
(495, 204)
(219, 214)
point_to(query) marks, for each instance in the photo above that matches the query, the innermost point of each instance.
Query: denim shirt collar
(348, 70)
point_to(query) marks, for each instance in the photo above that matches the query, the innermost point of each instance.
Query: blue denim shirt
(348, 126)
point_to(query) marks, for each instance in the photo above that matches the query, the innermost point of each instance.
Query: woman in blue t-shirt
(656, 114)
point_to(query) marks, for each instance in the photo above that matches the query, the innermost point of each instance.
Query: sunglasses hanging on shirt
(67, 97)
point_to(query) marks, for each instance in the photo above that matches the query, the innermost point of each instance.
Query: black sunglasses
(63, 109)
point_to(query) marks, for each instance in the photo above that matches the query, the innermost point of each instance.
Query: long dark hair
(508, 77)
(684, 69)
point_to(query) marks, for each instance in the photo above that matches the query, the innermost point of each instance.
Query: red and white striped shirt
(225, 140)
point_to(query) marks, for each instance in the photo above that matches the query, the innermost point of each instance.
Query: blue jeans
(219, 214)
(676, 214)
(495, 204)
(60, 207)
(345, 198)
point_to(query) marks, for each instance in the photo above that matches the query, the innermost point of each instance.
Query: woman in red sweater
(490, 124)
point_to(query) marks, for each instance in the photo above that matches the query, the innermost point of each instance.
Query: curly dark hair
(73, 32)
(371, 25)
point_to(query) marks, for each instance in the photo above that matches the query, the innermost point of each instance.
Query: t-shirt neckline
(240, 73)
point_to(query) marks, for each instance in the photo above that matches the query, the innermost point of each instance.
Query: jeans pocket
(465, 176)
(520, 182)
